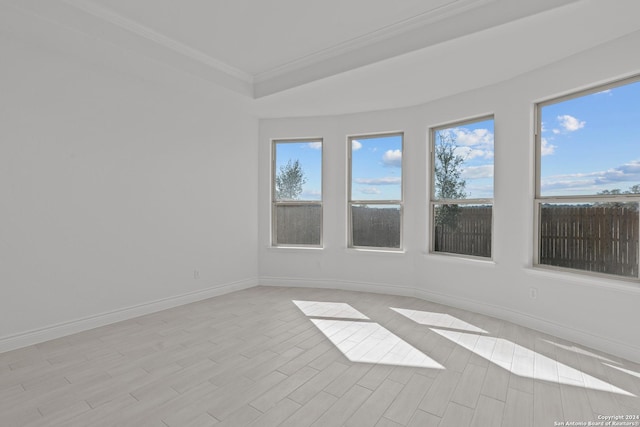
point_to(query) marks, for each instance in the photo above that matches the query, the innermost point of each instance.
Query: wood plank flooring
(270, 356)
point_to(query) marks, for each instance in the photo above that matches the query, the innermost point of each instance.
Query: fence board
(470, 234)
(601, 238)
(376, 227)
(298, 224)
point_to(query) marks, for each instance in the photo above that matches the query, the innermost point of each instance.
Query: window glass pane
(463, 161)
(376, 225)
(590, 144)
(298, 171)
(376, 168)
(298, 224)
(462, 229)
(600, 237)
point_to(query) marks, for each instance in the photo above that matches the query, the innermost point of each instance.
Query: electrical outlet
(196, 274)
(533, 293)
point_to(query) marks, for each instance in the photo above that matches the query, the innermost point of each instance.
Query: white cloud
(570, 123)
(387, 180)
(473, 137)
(355, 145)
(469, 153)
(311, 194)
(593, 181)
(479, 191)
(392, 158)
(369, 190)
(315, 145)
(477, 172)
(471, 144)
(547, 148)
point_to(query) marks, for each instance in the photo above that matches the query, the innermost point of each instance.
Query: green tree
(448, 183)
(634, 189)
(289, 181)
(615, 191)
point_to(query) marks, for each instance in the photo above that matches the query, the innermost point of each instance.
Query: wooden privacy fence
(376, 227)
(600, 238)
(298, 224)
(468, 232)
(301, 225)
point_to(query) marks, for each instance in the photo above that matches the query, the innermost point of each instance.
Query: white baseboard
(585, 338)
(32, 337)
(581, 337)
(346, 285)
(577, 336)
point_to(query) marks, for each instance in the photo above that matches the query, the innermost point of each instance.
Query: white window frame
(539, 200)
(433, 200)
(275, 203)
(351, 201)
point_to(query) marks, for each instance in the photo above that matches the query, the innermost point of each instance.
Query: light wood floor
(300, 357)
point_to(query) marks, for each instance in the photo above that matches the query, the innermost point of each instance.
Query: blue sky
(376, 168)
(591, 143)
(475, 143)
(310, 156)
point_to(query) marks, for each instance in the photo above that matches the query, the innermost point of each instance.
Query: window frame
(275, 203)
(351, 201)
(433, 201)
(540, 200)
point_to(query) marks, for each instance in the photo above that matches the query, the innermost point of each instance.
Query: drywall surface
(593, 311)
(124, 184)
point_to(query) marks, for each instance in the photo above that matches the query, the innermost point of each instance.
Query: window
(588, 180)
(462, 188)
(297, 193)
(375, 191)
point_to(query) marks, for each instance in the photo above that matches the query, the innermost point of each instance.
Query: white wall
(596, 312)
(118, 178)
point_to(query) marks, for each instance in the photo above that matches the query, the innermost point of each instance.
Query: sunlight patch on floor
(626, 371)
(578, 350)
(329, 309)
(527, 363)
(362, 340)
(439, 320)
(368, 342)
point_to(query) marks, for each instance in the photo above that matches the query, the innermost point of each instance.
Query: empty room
(339, 213)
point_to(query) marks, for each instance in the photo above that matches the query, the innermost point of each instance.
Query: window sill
(382, 251)
(295, 248)
(456, 258)
(622, 284)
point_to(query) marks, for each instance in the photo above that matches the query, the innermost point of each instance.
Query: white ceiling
(297, 57)
(461, 64)
(259, 36)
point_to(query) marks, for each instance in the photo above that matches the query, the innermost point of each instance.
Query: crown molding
(388, 32)
(453, 20)
(160, 39)
(448, 23)
(295, 72)
(32, 17)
